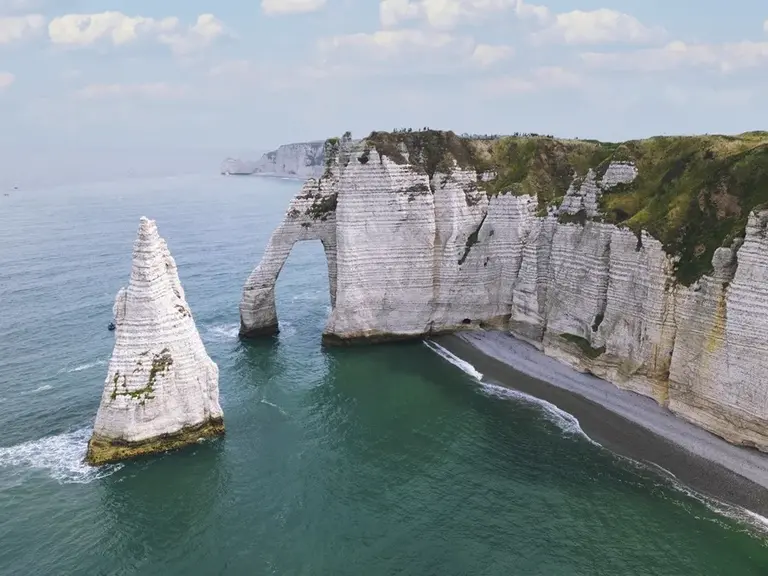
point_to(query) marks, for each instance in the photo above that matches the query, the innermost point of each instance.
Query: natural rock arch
(311, 216)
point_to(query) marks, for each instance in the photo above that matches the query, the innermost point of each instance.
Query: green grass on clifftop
(431, 150)
(692, 193)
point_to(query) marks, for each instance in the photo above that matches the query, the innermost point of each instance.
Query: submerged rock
(162, 388)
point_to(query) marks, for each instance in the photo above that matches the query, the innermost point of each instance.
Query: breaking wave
(751, 520)
(462, 365)
(568, 423)
(60, 456)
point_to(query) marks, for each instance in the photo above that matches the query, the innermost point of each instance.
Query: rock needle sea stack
(162, 388)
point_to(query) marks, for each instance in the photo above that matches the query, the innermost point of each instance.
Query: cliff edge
(643, 262)
(161, 390)
(300, 160)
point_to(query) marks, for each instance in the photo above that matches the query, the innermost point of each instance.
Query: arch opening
(258, 310)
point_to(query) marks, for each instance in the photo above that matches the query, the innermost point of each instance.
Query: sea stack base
(258, 332)
(106, 450)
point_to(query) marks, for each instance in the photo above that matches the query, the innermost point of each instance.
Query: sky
(253, 74)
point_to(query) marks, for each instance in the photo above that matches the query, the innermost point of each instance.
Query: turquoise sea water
(367, 461)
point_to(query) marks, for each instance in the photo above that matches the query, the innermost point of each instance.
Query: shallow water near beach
(390, 459)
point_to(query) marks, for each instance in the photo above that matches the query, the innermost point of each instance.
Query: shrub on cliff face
(323, 206)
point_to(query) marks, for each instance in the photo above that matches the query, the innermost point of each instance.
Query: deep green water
(369, 461)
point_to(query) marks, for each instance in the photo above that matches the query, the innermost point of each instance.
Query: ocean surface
(382, 460)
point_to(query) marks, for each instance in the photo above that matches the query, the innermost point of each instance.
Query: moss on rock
(105, 450)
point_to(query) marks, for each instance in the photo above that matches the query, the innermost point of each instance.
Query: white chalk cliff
(161, 390)
(409, 256)
(301, 160)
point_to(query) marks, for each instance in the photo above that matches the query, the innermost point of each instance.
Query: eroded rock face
(161, 390)
(299, 160)
(412, 254)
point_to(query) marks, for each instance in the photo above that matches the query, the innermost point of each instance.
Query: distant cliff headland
(301, 160)
(643, 262)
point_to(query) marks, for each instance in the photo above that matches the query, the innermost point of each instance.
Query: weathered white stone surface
(584, 193)
(310, 216)
(415, 256)
(300, 160)
(160, 379)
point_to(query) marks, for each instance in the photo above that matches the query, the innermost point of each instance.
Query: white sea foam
(752, 520)
(462, 365)
(61, 456)
(222, 332)
(86, 366)
(568, 423)
(39, 389)
(287, 329)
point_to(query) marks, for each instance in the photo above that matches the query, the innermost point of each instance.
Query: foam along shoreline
(622, 421)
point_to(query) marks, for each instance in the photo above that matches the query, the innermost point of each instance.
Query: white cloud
(291, 6)
(387, 43)
(86, 29)
(765, 25)
(725, 57)
(601, 26)
(533, 11)
(392, 12)
(406, 50)
(15, 28)
(154, 91)
(545, 78)
(119, 29)
(6, 79)
(575, 27)
(201, 35)
(485, 55)
(447, 14)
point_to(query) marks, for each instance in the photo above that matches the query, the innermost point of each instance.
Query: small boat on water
(111, 326)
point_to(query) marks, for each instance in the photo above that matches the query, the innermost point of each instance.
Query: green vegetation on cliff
(692, 193)
(541, 166)
(429, 150)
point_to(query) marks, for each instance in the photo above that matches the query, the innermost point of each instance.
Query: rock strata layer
(414, 252)
(161, 390)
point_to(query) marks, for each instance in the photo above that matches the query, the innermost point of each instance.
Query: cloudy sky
(257, 73)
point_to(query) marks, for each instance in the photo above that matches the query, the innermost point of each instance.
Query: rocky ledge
(162, 389)
(643, 262)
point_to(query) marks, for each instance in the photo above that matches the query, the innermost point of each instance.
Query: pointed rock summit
(162, 388)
